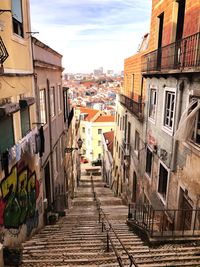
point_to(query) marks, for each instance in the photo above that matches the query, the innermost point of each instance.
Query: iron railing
(180, 55)
(3, 52)
(137, 108)
(107, 226)
(166, 222)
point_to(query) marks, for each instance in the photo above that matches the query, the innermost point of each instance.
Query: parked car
(96, 162)
(84, 160)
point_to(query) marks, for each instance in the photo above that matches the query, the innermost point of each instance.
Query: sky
(91, 33)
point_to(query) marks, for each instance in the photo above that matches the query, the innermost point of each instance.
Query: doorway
(185, 213)
(47, 183)
(160, 37)
(134, 188)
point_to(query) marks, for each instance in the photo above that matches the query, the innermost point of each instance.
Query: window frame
(149, 174)
(137, 143)
(163, 199)
(52, 104)
(164, 127)
(59, 98)
(12, 143)
(99, 131)
(45, 106)
(29, 120)
(17, 25)
(150, 117)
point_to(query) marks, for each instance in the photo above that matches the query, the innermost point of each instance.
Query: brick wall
(132, 66)
(170, 9)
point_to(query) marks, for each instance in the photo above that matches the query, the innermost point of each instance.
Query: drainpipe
(50, 137)
(175, 142)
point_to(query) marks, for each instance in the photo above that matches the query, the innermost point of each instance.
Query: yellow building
(92, 125)
(21, 139)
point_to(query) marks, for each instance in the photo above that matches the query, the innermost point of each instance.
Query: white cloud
(102, 39)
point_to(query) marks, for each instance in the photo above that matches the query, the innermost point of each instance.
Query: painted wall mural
(19, 192)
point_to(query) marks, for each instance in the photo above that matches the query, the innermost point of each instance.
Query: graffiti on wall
(19, 192)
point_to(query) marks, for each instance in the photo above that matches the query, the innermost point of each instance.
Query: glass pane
(25, 121)
(17, 10)
(6, 133)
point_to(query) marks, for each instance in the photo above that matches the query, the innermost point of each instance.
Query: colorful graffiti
(18, 195)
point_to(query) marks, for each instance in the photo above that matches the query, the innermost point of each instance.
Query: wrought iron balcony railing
(3, 52)
(137, 108)
(166, 222)
(180, 55)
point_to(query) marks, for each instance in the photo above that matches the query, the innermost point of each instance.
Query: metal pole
(107, 249)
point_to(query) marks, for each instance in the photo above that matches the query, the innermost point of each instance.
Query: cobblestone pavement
(77, 239)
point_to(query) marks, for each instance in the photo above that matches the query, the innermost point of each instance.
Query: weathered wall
(184, 171)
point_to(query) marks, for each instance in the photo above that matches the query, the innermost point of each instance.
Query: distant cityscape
(96, 90)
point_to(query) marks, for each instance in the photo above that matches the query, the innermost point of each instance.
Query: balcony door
(179, 33)
(160, 37)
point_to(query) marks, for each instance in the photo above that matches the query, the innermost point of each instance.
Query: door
(160, 37)
(134, 189)
(185, 213)
(47, 183)
(179, 47)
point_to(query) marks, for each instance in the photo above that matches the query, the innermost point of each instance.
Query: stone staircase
(77, 239)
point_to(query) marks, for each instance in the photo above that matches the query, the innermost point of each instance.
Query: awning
(26, 101)
(8, 109)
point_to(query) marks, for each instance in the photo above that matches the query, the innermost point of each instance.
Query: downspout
(175, 142)
(50, 137)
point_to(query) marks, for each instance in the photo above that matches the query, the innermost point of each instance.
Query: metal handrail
(181, 222)
(103, 218)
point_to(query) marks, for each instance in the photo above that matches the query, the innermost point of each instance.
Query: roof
(103, 118)
(91, 113)
(109, 137)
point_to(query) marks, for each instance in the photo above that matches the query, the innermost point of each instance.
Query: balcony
(165, 224)
(180, 56)
(136, 108)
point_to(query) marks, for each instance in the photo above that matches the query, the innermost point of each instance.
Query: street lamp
(70, 149)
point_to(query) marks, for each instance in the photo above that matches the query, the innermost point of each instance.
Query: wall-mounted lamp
(70, 149)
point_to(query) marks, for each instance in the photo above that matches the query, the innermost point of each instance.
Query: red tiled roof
(110, 137)
(104, 118)
(91, 112)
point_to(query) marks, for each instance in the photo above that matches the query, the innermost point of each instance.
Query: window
(83, 129)
(17, 17)
(7, 135)
(196, 132)
(163, 180)
(137, 142)
(99, 131)
(149, 162)
(59, 98)
(152, 107)
(43, 116)
(169, 109)
(52, 101)
(25, 121)
(99, 143)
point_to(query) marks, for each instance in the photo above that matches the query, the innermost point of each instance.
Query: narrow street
(77, 239)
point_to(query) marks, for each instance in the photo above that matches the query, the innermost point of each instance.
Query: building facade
(172, 70)
(21, 139)
(48, 87)
(93, 123)
(129, 138)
